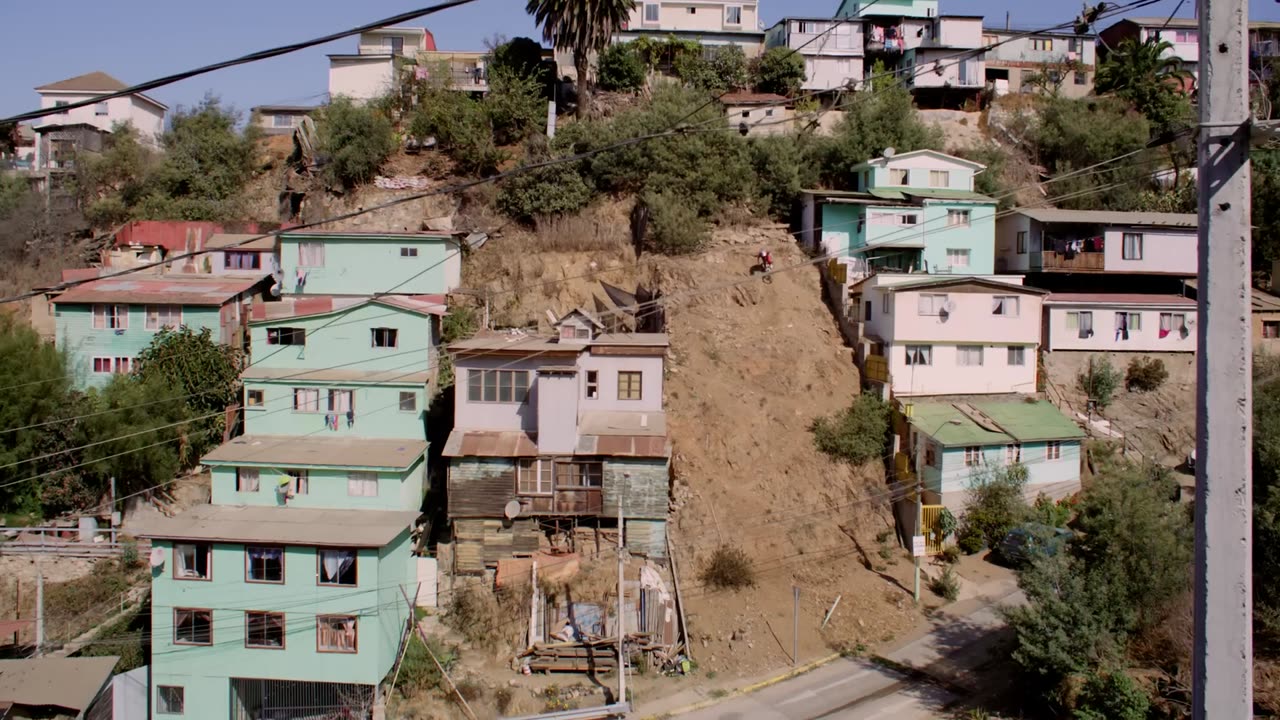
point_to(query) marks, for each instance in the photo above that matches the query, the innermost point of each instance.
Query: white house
(1119, 322)
(709, 22)
(957, 335)
(832, 49)
(371, 72)
(279, 119)
(144, 113)
(1049, 240)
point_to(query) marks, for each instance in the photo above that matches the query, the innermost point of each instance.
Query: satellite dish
(157, 557)
(949, 306)
(511, 510)
(890, 152)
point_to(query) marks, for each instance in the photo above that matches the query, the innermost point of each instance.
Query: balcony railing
(1081, 261)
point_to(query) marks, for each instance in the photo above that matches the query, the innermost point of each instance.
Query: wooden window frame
(284, 630)
(146, 316)
(557, 472)
(973, 456)
(638, 377)
(483, 375)
(261, 395)
(1053, 450)
(592, 385)
(247, 561)
(189, 643)
(1013, 453)
(115, 316)
(355, 563)
(539, 466)
(355, 649)
(182, 699)
(276, 334)
(412, 397)
(208, 563)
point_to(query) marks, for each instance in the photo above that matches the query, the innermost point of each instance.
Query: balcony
(1052, 261)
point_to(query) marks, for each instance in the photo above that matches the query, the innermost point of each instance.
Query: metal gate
(933, 535)
(254, 699)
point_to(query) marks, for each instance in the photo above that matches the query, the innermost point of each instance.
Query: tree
(1148, 75)
(780, 70)
(139, 434)
(581, 27)
(514, 107)
(461, 127)
(205, 166)
(996, 503)
(202, 370)
(620, 68)
(34, 384)
(857, 434)
(1077, 133)
(1266, 502)
(717, 69)
(357, 140)
(521, 57)
(114, 181)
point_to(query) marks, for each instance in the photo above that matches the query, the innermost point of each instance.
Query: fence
(52, 541)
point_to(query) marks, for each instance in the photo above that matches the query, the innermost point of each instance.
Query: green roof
(943, 194)
(1021, 422)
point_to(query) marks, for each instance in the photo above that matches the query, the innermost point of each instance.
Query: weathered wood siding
(645, 494)
(480, 487)
(481, 543)
(647, 538)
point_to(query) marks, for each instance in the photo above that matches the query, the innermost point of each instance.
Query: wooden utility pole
(917, 533)
(1222, 674)
(622, 608)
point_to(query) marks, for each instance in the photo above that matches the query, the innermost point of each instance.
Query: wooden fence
(65, 542)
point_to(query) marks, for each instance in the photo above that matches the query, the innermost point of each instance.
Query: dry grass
(496, 621)
(579, 233)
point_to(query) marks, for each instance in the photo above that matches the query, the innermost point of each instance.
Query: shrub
(996, 504)
(855, 435)
(780, 70)
(357, 139)
(1053, 514)
(418, 672)
(729, 568)
(1099, 381)
(461, 129)
(620, 68)
(521, 57)
(674, 227)
(1145, 374)
(514, 107)
(1111, 696)
(970, 541)
(946, 585)
(721, 68)
(780, 172)
(951, 554)
(551, 191)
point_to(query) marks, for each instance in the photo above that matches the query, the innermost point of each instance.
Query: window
(990, 40)
(169, 700)
(192, 561)
(957, 218)
(286, 336)
(1022, 242)
(1053, 450)
(1081, 322)
(254, 398)
(385, 337)
(940, 178)
(306, 400)
(264, 564)
(1126, 323)
(122, 365)
(733, 15)
(866, 312)
(886, 303)
(233, 260)
(919, 354)
(1132, 246)
(394, 44)
(1074, 44)
(533, 476)
(311, 254)
(192, 626)
(907, 219)
(693, 11)
(1017, 356)
(1081, 77)
(281, 121)
(102, 365)
(61, 103)
(931, 304)
(1042, 44)
(746, 113)
(593, 384)
(507, 386)
(1055, 77)
(163, 316)
(336, 633)
(299, 481)
(629, 385)
(898, 177)
(972, 456)
(1005, 305)
(579, 474)
(100, 109)
(651, 12)
(844, 66)
(408, 401)
(1013, 453)
(408, 252)
(1270, 329)
(336, 567)
(768, 113)
(248, 479)
(958, 257)
(110, 317)
(362, 484)
(969, 355)
(1186, 36)
(1173, 323)
(264, 630)
(931, 454)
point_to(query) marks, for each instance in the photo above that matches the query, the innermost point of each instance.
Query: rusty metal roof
(623, 446)
(251, 241)
(319, 451)
(490, 443)
(281, 525)
(549, 343)
(164, 289)
(308, 305)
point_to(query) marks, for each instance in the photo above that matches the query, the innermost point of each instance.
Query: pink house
(566, 427)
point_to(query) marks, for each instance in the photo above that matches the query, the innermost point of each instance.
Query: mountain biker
(766, 259)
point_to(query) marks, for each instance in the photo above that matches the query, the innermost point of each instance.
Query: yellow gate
(933, 529)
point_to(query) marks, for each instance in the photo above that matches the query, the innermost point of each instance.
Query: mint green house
(368, 263)
(914, 212)
(104, 324)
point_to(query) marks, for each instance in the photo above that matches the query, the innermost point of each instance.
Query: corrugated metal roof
(70, 683)
(490, 443)
(1022, 420)
(281, 526)
(944, 194)
(172, 234)
(319, 451)
(1118, 299)
(242, 241)
(309, 236)
(629, 422)
(623, 446)
(945, 281)
(1262, 300)
(549, 343)
(1111, 217)
(300, 306)
(389, 377)
(162, 290)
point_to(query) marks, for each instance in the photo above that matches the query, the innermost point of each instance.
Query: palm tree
(581, 27)
(1149, 76)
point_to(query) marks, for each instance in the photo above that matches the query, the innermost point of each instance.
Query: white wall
(760, 120)
(707, 15)
(1007, 229)
(960, 32)
(360, 79)
(945, 376)
(147, 118)
(1145, 339)
(1163, 251)
(926, 61)
(829, 73)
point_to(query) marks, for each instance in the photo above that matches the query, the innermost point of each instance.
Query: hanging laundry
(351, 418)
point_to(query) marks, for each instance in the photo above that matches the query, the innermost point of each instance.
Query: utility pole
(1222, 679)
(39, 610)
(622, 625)
(795, 626)
(917, 534)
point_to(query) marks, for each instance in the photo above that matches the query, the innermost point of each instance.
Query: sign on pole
(918, 546)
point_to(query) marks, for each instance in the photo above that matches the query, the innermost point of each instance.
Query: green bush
(1054, 514)
(461, 128)
(620, 68)
(729, 568)
(674, 227)
(356, 138)
(970, 540)
(996, 504)
(856, 435)
(1112, 696)
(521, 57)
(515, 107)
(418, 672)
(1145, 374)
(1099, 381)
(780, 70)
(951, 554)
(723, 67)
(551, 191)
(780, 172)
(945, 585)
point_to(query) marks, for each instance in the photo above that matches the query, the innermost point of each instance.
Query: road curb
(747, 689)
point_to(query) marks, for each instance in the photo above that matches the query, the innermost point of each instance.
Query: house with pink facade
(1119, 322)
(557, 431)
(949, 335)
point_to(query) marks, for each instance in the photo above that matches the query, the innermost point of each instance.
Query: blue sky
(137, 40)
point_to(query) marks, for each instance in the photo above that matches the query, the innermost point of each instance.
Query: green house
(369, 263)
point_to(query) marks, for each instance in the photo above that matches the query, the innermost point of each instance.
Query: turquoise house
(103, 325)
(369, 263)
(952, 443)
(914, 212)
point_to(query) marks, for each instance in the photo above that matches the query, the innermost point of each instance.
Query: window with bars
(264, 564)
(629, 385)
(362, 484)
(264, 630)
(192, 626)
(110, 317)
(248, 479)
(336, 633)
(163, 316)
(501, 386)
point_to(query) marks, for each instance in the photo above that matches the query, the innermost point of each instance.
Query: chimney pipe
(1006, 19)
